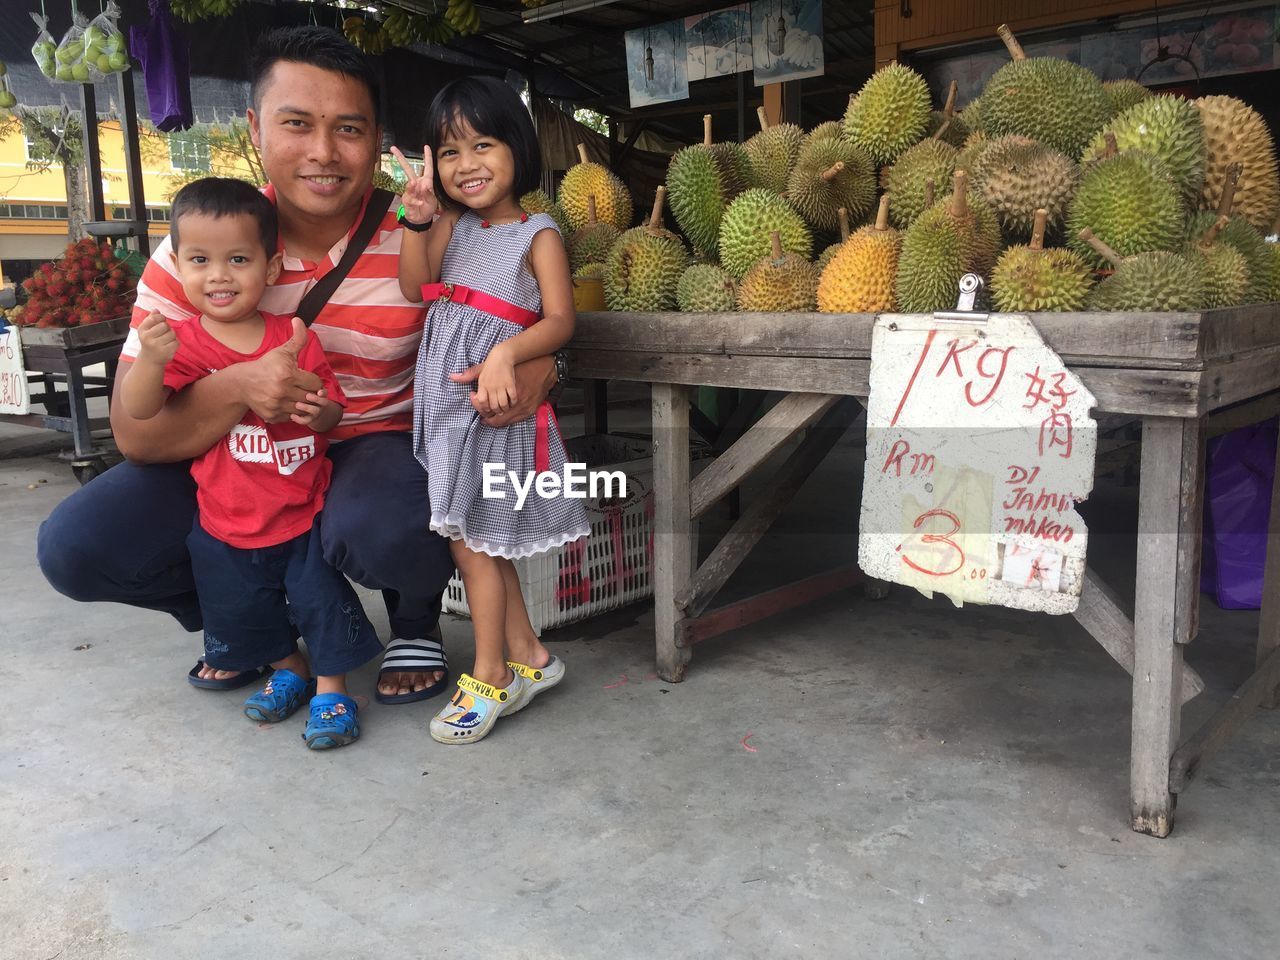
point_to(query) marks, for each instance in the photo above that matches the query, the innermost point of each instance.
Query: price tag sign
(979, 446)
(13, 376)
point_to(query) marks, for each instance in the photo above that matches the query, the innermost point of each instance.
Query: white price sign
(13, 376)
(979, 446)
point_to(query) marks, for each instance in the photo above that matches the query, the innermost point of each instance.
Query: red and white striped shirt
(369, 331)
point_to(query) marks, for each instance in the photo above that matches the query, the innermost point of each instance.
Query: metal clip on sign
(970, 286)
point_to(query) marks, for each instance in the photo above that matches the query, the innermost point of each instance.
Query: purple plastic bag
(1240, 469)
(166, 66)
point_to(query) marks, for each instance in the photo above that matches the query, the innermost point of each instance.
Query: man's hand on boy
(157, 343)
(273, 385)
(418, 195)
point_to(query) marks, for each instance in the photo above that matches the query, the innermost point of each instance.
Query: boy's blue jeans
(246, 620)
(123, 536)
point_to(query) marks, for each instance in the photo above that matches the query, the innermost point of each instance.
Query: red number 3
(938, 538)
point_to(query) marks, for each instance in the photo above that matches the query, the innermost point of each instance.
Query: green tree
(230, 149)
(56, 138)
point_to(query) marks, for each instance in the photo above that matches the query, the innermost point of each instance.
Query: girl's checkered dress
(449, 438)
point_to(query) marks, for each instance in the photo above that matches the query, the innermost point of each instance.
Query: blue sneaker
(284, 693)
(333, 722)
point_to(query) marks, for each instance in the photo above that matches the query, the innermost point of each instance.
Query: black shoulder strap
(319, 295)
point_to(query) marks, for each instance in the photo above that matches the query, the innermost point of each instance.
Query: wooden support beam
(766, 604)
(1101, 615)
(1244, 414)
(791, 415)
(673, 538)
(1217, 730)
(1164, 609)
(729, 553)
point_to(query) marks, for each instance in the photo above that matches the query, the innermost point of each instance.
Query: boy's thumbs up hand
(274, 383)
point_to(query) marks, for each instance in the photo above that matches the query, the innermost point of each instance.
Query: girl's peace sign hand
(418, 195)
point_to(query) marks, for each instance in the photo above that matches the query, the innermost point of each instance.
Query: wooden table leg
(1165, 608)
(673, 542)
(1269, 621)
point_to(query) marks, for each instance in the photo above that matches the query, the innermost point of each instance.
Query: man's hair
(223, 197)
(491, 108)
(316, 47)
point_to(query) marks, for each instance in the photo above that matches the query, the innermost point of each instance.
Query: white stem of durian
(582, 153)
(1104, 251)
(775, 238)
(1037, 229)
(1011, 42)
(843, 214)
(706, 129)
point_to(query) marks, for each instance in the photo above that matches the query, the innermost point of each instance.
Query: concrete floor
(921, 782)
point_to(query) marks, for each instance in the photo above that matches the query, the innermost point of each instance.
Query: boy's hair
(224, 197)
(316, 47)
(490, 107)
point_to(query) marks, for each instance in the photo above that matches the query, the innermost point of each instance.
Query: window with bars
(186, 153)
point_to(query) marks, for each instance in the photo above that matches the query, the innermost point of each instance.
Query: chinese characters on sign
(979, 447)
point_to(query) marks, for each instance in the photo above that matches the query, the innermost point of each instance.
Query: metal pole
(92, 156)
(133, 160)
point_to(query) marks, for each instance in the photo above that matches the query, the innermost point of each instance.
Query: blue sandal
(333, 722)
(278, 700)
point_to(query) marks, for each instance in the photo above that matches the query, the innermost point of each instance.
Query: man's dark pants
(122, 537)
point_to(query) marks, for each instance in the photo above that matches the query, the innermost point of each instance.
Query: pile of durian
(1065, 193)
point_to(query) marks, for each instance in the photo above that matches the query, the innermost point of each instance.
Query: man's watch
(562, 375)
(408, 224)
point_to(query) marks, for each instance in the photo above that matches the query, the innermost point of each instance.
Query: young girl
(499, 279)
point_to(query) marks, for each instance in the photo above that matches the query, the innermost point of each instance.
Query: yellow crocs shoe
(537, 680)
(473, 710)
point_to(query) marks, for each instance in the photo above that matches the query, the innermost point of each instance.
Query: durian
(585, 179)
(1234, 132)
(645, 265)
(947, 241)
(825, 257)
(1018, 176)
(591, 244)
(537, 201)
(1032, 279)
(589, 271)
(779, 282)
(1273, 245)
(1129, 201)
(861, 275)
(706, 288)
(1238, 233)
(773, 153)
(831, 173)
(1152, 280)
(697, 192)
(1224, 268)
(889, 114)
(747, 223)
(1057, 102)
(1167, 127)
(971, 117)
(929, 160)
(971, 153)
(1123, 94)
(945, 124)
(734, 167)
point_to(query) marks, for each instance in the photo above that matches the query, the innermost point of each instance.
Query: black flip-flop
(241, 679)
(414, 656)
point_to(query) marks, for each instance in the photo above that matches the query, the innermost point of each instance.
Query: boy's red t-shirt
(263, 483)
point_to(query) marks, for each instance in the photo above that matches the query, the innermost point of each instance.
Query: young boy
(256, 539)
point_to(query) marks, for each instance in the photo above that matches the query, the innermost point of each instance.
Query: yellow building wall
(32, 239)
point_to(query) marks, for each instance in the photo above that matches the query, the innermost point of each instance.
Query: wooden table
(1172, 371)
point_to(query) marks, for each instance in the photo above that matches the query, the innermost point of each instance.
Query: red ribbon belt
(545, 417)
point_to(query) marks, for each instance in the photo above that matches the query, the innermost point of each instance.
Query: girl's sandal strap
(480, 689)
(526, 671)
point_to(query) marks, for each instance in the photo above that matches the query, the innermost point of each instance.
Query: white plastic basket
(610, 567)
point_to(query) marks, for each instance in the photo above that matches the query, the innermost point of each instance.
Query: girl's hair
(491, 108)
